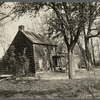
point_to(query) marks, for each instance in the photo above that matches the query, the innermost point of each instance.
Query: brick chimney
(21, 28)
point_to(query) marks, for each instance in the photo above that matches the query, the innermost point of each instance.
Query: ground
(54, 86)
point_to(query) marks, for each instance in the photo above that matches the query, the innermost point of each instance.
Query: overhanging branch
(93, 35)
(59, 16)
(75, 39)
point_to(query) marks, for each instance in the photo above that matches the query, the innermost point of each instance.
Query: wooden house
(38, 48)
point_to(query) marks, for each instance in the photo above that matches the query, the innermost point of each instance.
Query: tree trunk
(98, 48)
(88, 55)
(93, 54)
(71, 65)
(82, 56)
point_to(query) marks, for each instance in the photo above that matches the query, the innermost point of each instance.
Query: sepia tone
(50, 50)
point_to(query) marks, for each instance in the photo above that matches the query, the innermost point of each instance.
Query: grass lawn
(59, 88)
(78, 88)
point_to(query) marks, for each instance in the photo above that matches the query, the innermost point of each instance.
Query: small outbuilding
(38, 48)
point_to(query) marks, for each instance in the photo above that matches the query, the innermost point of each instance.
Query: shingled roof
(36, 38)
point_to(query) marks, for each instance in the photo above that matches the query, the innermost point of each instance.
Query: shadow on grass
(6, 94)
(11, 94)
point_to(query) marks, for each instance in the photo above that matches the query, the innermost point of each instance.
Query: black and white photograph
(50, 50)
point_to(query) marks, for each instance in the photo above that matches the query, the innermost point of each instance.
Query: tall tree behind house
(69, 20)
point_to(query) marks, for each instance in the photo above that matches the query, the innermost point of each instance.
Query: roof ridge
(46, 38)
(37, 38)
(37, 35)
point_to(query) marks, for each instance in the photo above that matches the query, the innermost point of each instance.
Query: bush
(15, 64)
(9, 60)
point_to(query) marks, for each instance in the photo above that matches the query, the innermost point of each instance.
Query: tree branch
(65, 9)
(63, 22)
(63, 32)
(1, 3)
(76, 38)
(93, 35)
(93, 29)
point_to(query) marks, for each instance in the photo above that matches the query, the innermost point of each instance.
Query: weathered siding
(20, 42)
(38, 53)
(44, 55)
(36, 58)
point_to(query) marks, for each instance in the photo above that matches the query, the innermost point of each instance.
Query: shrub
(15, 64)
(9, 60)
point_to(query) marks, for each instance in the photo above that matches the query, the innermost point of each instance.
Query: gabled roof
(37, 38)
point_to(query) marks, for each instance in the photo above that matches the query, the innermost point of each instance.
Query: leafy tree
(91, 12)
(67, 21)
(7, 14)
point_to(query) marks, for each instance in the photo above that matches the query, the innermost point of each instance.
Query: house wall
(36, 58)
(42, 57)
(20, 42)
